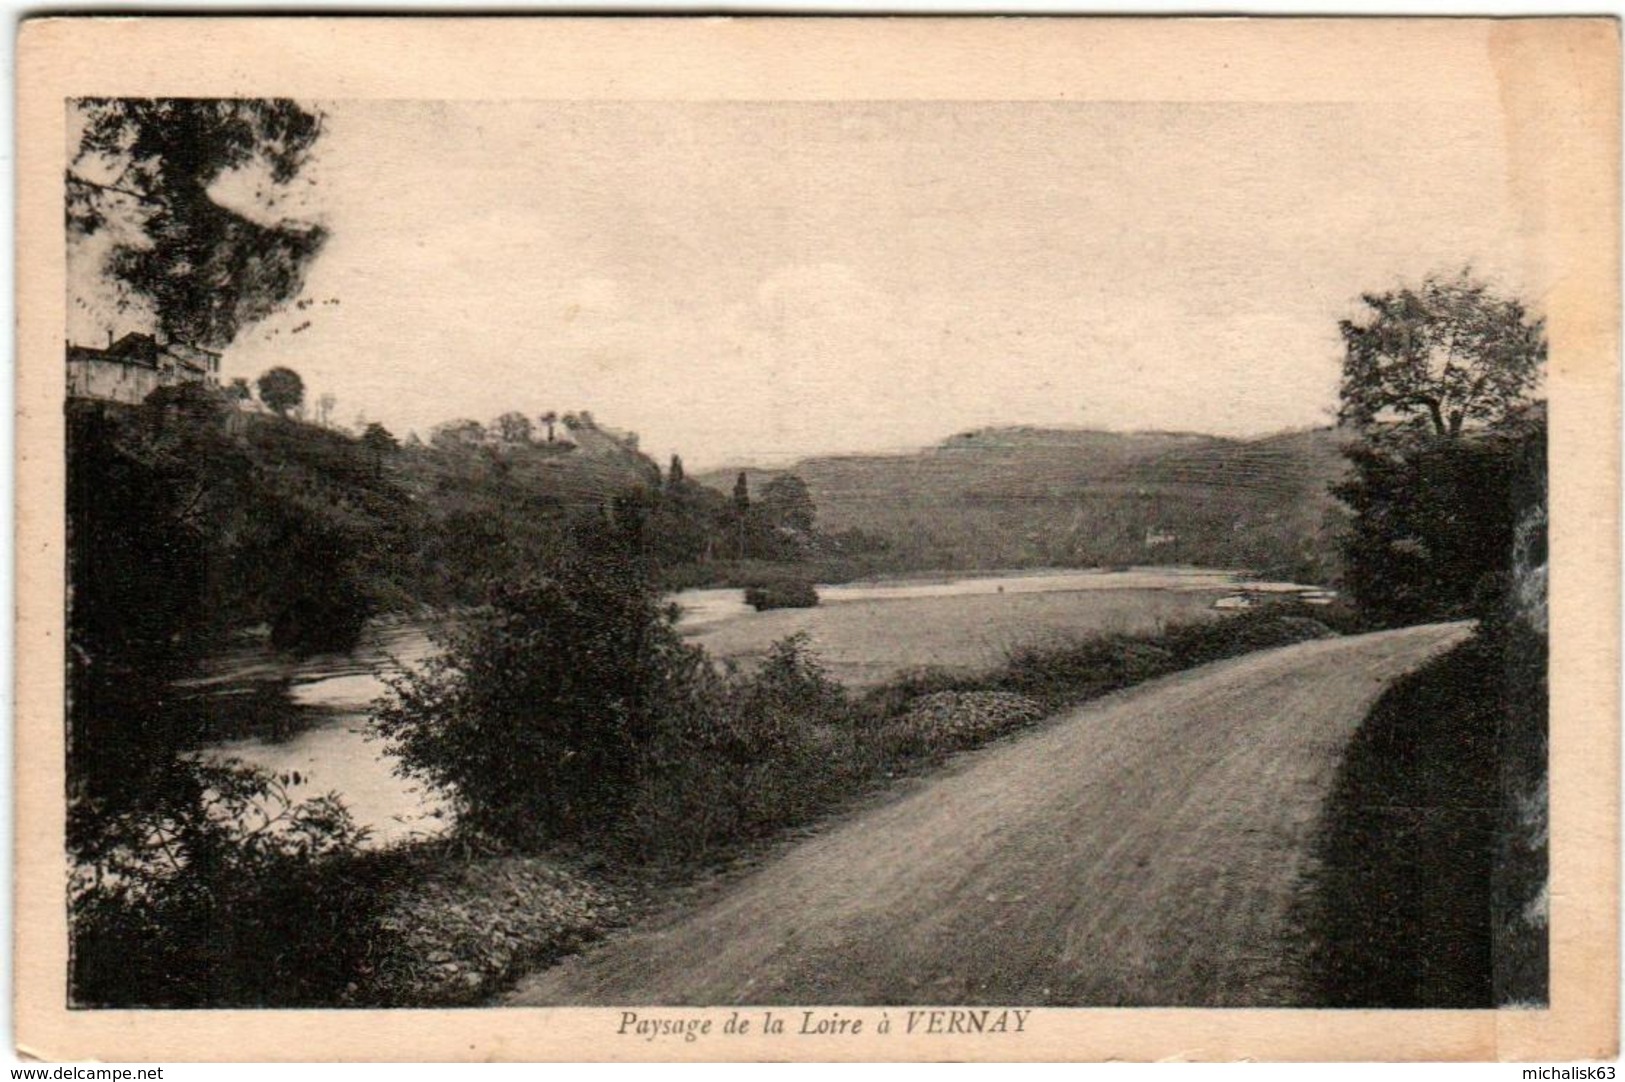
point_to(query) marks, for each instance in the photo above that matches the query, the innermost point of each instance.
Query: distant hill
(1025, 497)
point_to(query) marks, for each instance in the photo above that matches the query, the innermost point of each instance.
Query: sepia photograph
(887, 566)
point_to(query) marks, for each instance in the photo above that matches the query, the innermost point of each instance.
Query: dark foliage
(139, 578)
(217, 890)
(512, 427)
(786, 503)
(178, 525)
(535, 717)
(782, 595)
(1433, 530)
(379, 444)
(149, 164)
(323, 618)
(282, 390)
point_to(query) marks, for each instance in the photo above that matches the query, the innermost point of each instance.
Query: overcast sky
(755, 282)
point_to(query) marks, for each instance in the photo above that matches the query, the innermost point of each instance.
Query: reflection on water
(337, 756)
(311, 715)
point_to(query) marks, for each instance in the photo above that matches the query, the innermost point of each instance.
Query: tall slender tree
(741, 510)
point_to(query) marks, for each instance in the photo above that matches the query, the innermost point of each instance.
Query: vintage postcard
(857, 539)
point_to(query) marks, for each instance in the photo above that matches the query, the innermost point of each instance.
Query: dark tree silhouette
(741, 510)
(513, 427)
(281, 389)
(549, 419)
(378, 443)
(147, 166)
(675, 476)
(379, 438)
(1439, 357)
(786, 503)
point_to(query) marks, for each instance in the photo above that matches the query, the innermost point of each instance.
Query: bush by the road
(1069, 671)
(744, 757)
(946, 721)
(536, 718)
(749, 756)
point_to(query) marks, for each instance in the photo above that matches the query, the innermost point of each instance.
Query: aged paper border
(1557, 81)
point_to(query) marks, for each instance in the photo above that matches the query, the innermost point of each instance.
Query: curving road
(1145, 849)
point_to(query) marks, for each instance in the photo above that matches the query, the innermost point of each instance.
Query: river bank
(451, 926)
(311, 715)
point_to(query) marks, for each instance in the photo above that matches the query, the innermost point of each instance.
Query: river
(310, 716)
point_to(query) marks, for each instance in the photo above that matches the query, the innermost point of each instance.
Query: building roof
(143, 349)
(133, 348)
(192, 356)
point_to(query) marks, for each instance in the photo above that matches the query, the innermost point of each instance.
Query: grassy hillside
(236, 518)
(1025, 497)
(493, 512)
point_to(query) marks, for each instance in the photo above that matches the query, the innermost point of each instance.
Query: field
(864, 642)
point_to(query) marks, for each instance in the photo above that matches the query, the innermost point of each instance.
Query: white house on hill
(136, 365)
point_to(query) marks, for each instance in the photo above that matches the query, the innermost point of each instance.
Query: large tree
(149, 170)
(1444, 355)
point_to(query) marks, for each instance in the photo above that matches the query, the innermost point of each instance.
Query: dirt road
(1143, 850)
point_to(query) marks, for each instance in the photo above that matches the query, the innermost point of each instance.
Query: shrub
(227, 892)
(741, 757)
(796, 594)
(327, 617)
(535, 718)
(1060, 672)
(947, 721)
